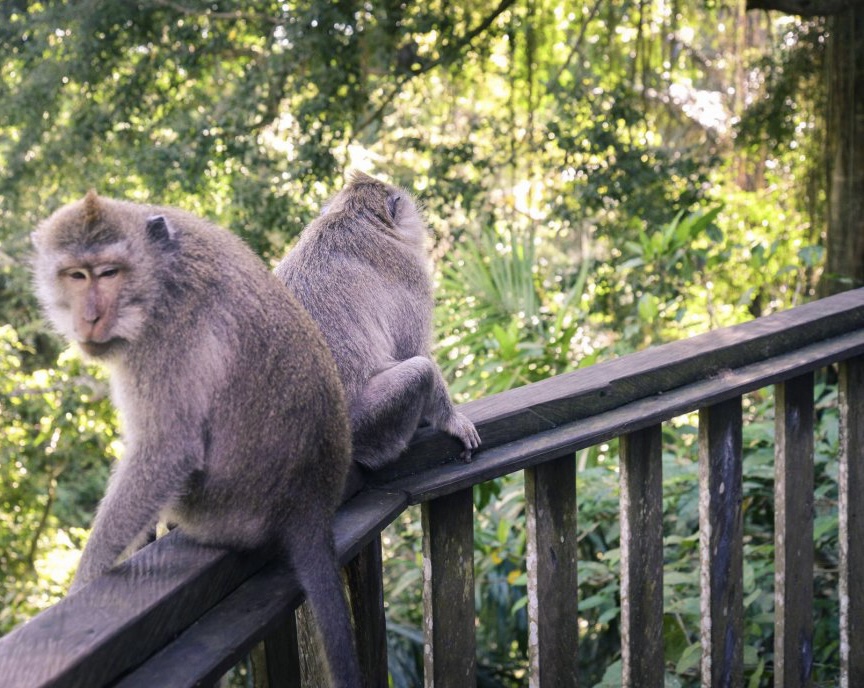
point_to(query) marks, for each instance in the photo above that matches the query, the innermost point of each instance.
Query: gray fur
(234, 420)
(361, 270)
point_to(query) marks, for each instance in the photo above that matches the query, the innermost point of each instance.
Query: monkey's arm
(393, 403)
(143, 483)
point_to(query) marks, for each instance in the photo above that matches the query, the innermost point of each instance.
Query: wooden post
(281, 657)
(721, 544)
(793, 533)
(450, 647)
(642, 558)
(553, 600)
(366, 597)
(852, 523)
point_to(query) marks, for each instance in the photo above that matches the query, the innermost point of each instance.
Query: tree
(844, 154)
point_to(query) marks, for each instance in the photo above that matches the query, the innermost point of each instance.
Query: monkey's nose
(91, 315)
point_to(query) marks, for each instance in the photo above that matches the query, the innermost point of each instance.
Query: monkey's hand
(463, 429)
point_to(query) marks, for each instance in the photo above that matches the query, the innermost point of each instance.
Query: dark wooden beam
(721, 546)
(584, 393)
(174, 587)
(494, 462)
(449, 644)
(793, 528)
(851, 513)
(167, 589)
(551, 554)
(642, 557)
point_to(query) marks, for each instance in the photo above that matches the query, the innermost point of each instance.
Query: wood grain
(642, 558)
(793, 533)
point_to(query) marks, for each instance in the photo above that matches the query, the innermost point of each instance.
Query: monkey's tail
(317, 570)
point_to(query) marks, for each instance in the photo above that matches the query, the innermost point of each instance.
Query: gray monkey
(361, 269)
(234, 418)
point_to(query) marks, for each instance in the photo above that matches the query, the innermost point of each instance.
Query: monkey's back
(369, 290)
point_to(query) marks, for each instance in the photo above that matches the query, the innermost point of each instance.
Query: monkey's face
(93, 291)
(85, 278)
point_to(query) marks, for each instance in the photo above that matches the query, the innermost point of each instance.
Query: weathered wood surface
(721, 545)
(851, 509)
(550, 404)
(281, 655)
(642, 558)
(117, 622)
(120, 620)
(449, 645)
(234, 627)
(553, 609)
(793, 533)
(223, 635)
(649, 409)
(366, 586)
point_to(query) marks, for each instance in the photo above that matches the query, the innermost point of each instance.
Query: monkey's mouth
(97, 349)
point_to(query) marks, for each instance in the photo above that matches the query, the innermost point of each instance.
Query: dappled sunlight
(598, 178)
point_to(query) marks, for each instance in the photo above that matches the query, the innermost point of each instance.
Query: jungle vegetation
(599, 176)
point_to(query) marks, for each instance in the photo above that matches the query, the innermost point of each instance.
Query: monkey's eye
(109, 272)
(77, 275)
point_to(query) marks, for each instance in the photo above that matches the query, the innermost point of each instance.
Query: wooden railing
(178, 614)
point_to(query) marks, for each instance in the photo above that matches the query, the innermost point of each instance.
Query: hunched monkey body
(361, 270)
(234, 418)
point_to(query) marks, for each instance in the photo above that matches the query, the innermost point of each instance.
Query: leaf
(689, 659)
(648, 307)
(678, 578)
(756, 676)
(592, 602)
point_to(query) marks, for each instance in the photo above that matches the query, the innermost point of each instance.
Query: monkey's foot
(463, 429)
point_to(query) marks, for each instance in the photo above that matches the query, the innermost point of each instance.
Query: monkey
(361, 269)
(233, 416)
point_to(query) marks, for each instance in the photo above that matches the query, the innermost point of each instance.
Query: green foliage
(55, 443)
(590, 194)
(521, 325)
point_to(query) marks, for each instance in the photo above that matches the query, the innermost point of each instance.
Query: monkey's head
(394, 208)
(92, 262)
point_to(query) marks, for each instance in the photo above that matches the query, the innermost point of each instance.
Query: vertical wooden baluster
(450, 648)
(720, 544)
(642, 558)
(367, 605)
(281, 657)
(793, 533)
(553, 600)
(852, 523)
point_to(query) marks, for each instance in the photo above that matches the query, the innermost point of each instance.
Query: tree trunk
(844, 267)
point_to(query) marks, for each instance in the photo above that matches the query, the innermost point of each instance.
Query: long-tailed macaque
(234, 419)
(361, 270)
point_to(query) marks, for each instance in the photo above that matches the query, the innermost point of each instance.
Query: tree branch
(480, 28)
(43, 519)
(577, 44)
(451, 53)
(805, 8)
(234, 16)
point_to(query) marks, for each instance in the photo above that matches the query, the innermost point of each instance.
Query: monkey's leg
(391, 406)
(312, 553)
(388, 411)
(442, 415)
(136, 493)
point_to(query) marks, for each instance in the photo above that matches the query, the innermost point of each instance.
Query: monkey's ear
(393, 206)
(159, 231)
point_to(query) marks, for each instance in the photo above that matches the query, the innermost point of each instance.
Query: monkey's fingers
(464, 430)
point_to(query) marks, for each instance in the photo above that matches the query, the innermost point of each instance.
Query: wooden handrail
(179, 614)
